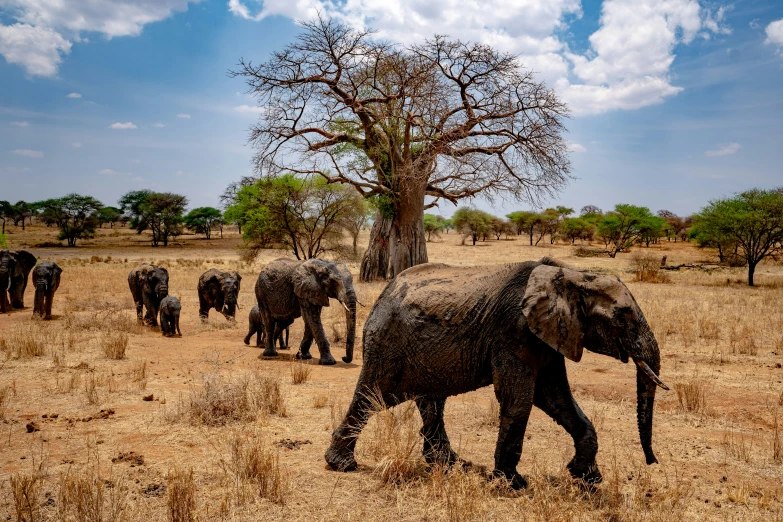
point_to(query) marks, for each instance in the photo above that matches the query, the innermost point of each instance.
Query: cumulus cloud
(183, 116)
(627, 66)
(38, 50)
(29, 153)
(20, 123)
(158, 125)
(45, 29)
(724, 150)
(76, 145)
(74, 95)
(122, 126)
(249, 109)
(107, 172)
(775, 33)
(576, 147)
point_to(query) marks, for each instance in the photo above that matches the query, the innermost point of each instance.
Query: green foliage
(754, 219)
(108, 215)
(3, 241)
(433, 225)
(473, 223)
(158, 212)
(576, 228)
(73, 215)
(624, 227)
(384, 203)
(203, 219)
(524, 221)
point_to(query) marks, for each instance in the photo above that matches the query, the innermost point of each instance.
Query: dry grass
(217, 402)
(646, 269)
(255, 469)
(692, 395)
(26, 341)
(26, 492)
(300, 372)
(320, 400)
(114, 345)
(5, 400)
(84, 496)
(182, 496)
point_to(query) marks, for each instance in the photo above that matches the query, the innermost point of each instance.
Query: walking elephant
(438, 331)
(149, 284)
(287, 289)
(15, 268)
(46, 280)
(256, 327)
(218, 290)
(170, 308)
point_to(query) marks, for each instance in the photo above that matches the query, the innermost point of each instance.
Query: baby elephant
(169, 316)
(257, 327)
(46, 280)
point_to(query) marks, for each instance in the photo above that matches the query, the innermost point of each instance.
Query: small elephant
(149, 285)
(287, 289)
(256, 326)
(218, 290)
(46, 280)
(438, 331)
(169, 316)
(15, 268)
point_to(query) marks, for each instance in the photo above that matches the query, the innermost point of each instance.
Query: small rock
(31, 427)
(133, 458)
(148, 397)
(292, 444)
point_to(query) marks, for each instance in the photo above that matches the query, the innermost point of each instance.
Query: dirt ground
(87, 437)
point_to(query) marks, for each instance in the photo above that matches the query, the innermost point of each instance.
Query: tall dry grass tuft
(463, 495)
(114, 345)
(255, 469)
(91, 389)
(646, 268)
(26, 491)
(692, 395)
(84, 496)
(182, 496)
(26, 341)
(216, 402)
(5, 399)
(300, 372)
(777, 443)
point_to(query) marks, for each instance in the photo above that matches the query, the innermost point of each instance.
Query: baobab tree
(408, 126)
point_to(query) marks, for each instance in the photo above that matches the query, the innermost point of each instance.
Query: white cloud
(122, 126)
(107, 172)
(183, 116)
(28, 153)
(74, 95)
(182, 173)
(249, 109)
(76, 145)
(576, 147)
(158, 125)
(45, 29)
(20, 123)
(775, 33)
(38, 49)
(136, 161)
(724, 150)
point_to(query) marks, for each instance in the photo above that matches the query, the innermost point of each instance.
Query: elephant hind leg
(437, 448)
(553, 396)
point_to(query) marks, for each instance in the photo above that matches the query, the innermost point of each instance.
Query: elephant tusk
(650, 374)
(362, 304)
(345, 306)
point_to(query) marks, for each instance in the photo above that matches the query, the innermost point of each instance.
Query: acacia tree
(203, 220)
(158, 212)
(74, 216)
(444, 119)
(473, 223)
(433, 225)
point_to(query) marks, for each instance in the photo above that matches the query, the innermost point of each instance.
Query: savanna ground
(200, 428)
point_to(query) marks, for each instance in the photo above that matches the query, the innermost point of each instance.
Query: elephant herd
(15, 268)
(435, 331)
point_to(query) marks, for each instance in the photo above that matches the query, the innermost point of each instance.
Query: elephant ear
(552, 307)
(309, 279)
(25, 261)
(237, 276)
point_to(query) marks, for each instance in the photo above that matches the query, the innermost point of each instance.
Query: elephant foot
(340, 459)
(247, 340)
(514, 480)
(327, 360)
(270, 353)
(587, 474)
(304, 356)
(347, 360)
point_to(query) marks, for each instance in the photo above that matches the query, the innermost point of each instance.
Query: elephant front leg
(514, 384)
(269, 335)
(312, 316)
(553, 396)
(48, 301)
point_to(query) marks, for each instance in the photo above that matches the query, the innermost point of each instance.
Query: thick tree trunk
(396, 243)
(751, 271)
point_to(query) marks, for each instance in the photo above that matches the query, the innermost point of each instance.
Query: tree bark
(751, 271)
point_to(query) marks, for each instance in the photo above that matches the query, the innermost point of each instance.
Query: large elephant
(438, 331)
(218, 290)
(287, 289)
(149, 284)
(46, 280)
(15, 268)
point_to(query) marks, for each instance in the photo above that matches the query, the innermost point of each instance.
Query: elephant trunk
(162, 290)
(40, 294)
(231, 306)
(647, 368)
(348, 299)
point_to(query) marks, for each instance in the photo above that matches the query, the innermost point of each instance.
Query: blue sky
(674, 101)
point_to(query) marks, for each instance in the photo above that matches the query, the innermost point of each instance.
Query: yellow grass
(219, 410)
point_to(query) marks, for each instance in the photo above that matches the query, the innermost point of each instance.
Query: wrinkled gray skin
(46, 280)
(15, 268)
(287, 289)
(256, 326)
(149, 284)
(438, 331)
(218, 290)
(169, 316)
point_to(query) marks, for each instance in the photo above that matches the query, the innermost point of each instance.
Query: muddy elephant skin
(438, 331)
(46, 280)
(287, 289)
(15, 267)
(170, 308)
(149, 284)
(218, 290)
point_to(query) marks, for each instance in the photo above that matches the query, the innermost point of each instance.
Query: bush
(3, 241)
(646, 269)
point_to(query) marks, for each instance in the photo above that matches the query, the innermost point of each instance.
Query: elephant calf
(218, 290)
(169, 316)
(256, 326)
(46, 280)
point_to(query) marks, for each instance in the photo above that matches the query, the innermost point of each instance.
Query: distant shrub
(646, 269)
(588, 252)
(3, 241)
